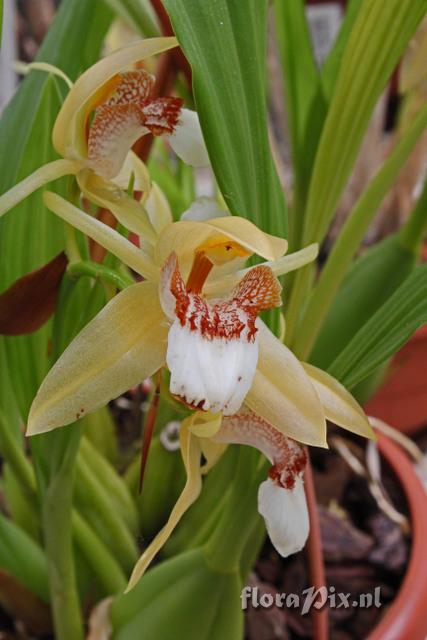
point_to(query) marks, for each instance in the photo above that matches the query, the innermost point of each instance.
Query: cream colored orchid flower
(218, 351)
(281, 497)
(105, 112)
(197, 313)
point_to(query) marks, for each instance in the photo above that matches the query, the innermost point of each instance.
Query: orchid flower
(105, 112)
(281, 497)
(196, 312)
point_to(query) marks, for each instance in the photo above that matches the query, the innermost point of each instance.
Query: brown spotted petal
(124, 117)
(30, 301)
(287, 456)
(213, 345)
(281, 498)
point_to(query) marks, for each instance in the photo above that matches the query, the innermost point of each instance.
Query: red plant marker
(148, 430)
(315, 557)
(167, 30)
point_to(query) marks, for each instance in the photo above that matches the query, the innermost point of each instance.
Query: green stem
(14, 455)
(201, 534)
(300, 289)
(91, 492)
(109, 574)
(112, 482)
(94, 270)
(252, 548)
(71, 246)
(227, 543)
(56, 520)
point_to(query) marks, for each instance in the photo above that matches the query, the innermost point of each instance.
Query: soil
(363, 551)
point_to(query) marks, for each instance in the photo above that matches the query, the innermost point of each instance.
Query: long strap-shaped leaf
(305, 104)
(332, 63)
(378, 38)
(30, 236)
(388, 329)
(225, 43)
(352, 235)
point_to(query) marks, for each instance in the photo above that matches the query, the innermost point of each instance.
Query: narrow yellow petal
(282, 393)
(339, 405)
(220, 285)
(69, 137)
(294, 261)
(133, 166)
(104, 235)
(205, 424)
(249, 236)
(212, 452)
(190, 451)
(124, 344)
(186, 236)
(130, 213)
(40, 177)
(158, 208)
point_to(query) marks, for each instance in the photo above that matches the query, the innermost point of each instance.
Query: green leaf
(138, 14)
(305, 105)
(164, 479)
(371, 280)
(200, 603)
(21, 505)
(332, 63)
(348, 241)
(196, 525)
(379, 36)
(23, 558)
(30, 235)
(386, 331)
(300, 73)
(225, 43)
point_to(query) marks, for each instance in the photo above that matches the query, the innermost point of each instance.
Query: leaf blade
(225, 44)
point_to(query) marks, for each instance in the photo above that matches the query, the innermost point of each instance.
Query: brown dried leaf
(24, 606)
(30, 301)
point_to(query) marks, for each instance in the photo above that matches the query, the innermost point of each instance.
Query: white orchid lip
(187, 140)
(212, 349)
(286, 515)
(281, 498)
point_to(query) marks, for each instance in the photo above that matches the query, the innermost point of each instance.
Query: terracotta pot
(402, 399)
(406, 618)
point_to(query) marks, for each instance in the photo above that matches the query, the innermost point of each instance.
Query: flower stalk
(56, 484)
